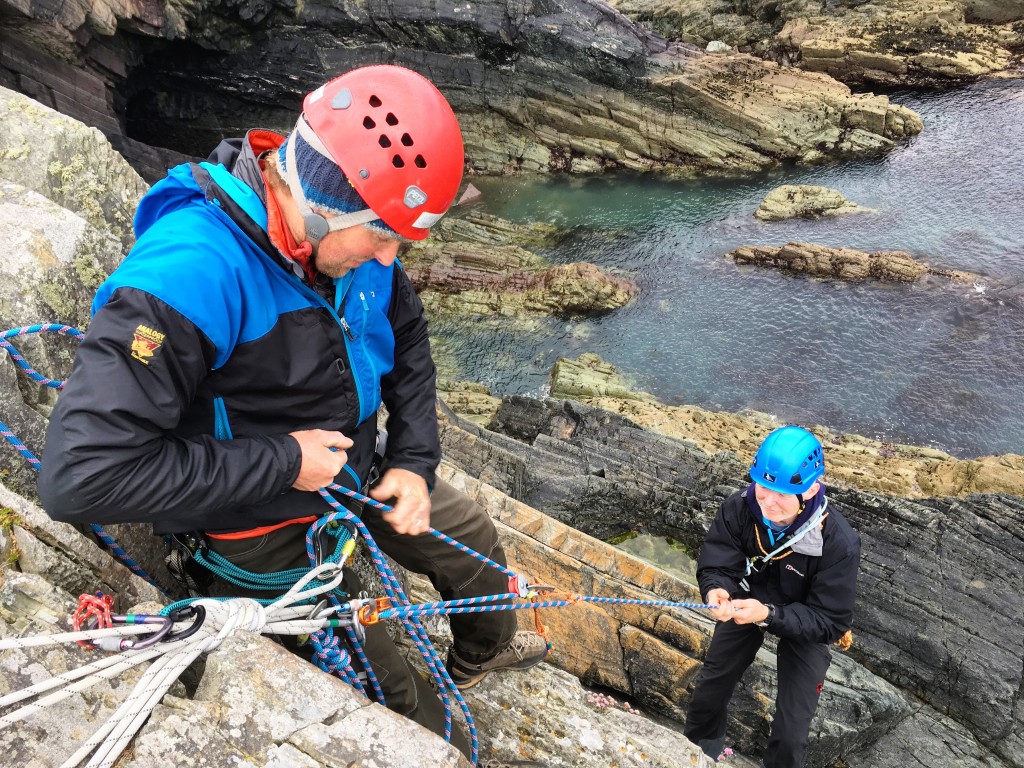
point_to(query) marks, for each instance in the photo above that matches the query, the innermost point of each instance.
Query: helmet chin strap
(317, 226)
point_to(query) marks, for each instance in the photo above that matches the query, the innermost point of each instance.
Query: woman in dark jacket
(777, 560)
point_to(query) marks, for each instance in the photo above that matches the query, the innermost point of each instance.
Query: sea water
(932, 363)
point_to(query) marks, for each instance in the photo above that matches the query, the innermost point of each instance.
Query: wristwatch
(768, 619)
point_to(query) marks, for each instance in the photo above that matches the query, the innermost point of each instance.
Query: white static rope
(71, 637)
(87, 676)
(223, 617)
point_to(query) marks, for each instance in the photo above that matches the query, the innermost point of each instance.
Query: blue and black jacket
(813, 594)
(207, 347)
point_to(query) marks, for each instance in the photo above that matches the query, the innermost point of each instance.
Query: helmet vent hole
(397, 161)
(368, 123)
(384, 141)
(391, 119)
(374, 101)
(406, 140)
(420, 162)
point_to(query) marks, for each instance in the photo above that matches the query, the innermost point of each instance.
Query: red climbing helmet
(396, 138)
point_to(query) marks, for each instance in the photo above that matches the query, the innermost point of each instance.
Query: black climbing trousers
(454, 574)
(801, 674)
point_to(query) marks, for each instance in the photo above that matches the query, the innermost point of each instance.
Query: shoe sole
(522, 666)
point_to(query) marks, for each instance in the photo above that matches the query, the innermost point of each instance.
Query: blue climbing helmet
(789, 461)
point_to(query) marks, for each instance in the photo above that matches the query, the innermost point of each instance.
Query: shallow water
(929, 364)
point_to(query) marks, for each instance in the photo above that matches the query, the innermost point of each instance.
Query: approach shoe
(527, 649)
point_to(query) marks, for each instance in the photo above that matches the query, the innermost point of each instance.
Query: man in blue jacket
(776, 560)
(237, 359)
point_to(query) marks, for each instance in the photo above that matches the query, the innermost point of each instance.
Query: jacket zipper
(366, 353)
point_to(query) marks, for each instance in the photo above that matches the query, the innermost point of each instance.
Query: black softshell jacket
(813, 595)
(131, 442)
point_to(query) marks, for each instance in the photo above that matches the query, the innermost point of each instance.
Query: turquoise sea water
(932, 363)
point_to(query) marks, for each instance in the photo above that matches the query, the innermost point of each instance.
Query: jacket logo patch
(794, 570)
(146, 343)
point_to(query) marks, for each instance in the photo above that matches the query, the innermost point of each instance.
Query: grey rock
(72, 165)
(562, 724)
(804, 201)
(994, 11)
(21, 409)
(56, 550)
(575, 86)
(934, 571)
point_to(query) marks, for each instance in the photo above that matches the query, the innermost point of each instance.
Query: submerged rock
(590, 376)
(826, 262)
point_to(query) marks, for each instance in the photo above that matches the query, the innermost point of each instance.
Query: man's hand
(320, 465)
(720, 597)
(406, 492)
(749, 611)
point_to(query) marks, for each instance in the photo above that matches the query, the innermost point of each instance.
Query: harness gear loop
(766, 557)
(180, 557)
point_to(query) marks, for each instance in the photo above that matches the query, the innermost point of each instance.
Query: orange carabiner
(370, 613)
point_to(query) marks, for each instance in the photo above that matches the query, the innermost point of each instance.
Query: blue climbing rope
(32, 460)
(330, 654)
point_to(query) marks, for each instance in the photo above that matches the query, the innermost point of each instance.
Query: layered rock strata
(575, 87)
(826, 262)
(934, 571)
(791, 201)
(890, 469)
(890, 42)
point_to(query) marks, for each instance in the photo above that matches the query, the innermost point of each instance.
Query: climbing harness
(312, 606)
(758, 562)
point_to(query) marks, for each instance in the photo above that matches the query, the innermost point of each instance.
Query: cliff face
(941, 581)
(937, 664)
(538, 86)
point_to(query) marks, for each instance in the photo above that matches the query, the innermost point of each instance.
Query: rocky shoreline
(578, 87)
(856, 462)
(889, 42)
(936, 665)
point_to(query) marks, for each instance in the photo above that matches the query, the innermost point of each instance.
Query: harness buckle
(193, 541)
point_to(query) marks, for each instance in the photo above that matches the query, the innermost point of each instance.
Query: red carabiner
(93, 607)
